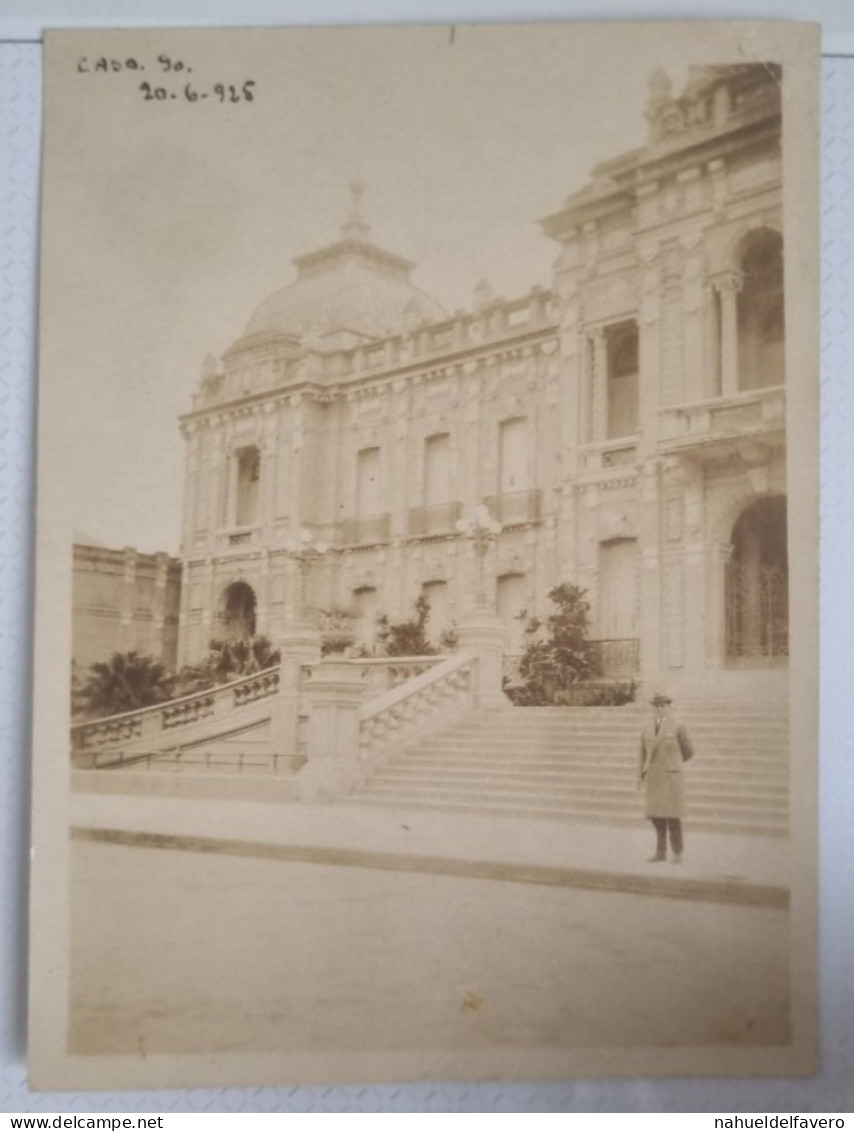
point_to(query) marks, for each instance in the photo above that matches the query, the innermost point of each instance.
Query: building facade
(625, 426)
(124, 601)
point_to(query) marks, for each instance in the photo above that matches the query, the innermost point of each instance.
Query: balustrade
(365, 531)
(518, 508)
(428, 698)
(150, 722)
(441, 518)
(746, 413)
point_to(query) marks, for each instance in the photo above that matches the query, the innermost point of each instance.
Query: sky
(166, 223)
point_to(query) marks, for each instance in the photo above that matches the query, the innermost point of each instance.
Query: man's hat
(660, 697)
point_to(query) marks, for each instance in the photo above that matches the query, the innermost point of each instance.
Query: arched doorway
(237, 613)
(757, 585)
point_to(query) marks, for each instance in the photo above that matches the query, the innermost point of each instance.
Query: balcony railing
(426, 522)
(368, 531)
(603, 456)
(747, 413)
(519, 508)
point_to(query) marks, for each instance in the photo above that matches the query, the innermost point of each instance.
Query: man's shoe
(677, 858)
(657, 859)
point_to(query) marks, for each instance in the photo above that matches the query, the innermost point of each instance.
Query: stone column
(696, 628)
(649, 525)
(127, 601)
(712, 352)
(482, 634)
(599, 385)
(188, 431)
(184, 616)
(298, 645)
(719, 554)
(649, 343)
(158, 611)
(728, 284)
(693, 311)
(334, 766)
(230, 462)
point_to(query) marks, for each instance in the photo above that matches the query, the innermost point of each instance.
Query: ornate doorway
(757, 586)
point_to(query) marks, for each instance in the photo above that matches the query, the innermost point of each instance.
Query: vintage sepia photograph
(426, 656)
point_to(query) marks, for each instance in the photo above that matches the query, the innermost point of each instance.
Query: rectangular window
(618, 590)
(248, 462)
(437, 470)
(622, 365)
(368, 494)
(513, 456)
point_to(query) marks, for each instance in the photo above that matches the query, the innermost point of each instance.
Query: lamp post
(481, 633)
(299, 645)
(482, 529)
(303, 552)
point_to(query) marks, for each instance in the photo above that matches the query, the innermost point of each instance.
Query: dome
(350, 289)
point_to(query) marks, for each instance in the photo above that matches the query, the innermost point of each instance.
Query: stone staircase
(580, 764)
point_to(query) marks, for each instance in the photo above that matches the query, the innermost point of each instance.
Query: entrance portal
(757, 585)
(237, 614)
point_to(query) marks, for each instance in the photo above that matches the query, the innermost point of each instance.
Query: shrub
(408, 637)
(125, 682)
(550, 663)
(227, 660)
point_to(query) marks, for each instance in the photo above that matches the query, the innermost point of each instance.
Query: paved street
(176, 951)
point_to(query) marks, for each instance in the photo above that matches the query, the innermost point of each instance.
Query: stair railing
(428, 702)
(150, 724)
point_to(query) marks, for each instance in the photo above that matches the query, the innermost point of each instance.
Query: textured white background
(833, 1088)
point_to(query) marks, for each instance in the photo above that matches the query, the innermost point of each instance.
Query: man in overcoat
(664, 750)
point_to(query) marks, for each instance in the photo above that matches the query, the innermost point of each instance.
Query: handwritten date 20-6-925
(173, 82)
(188, 93)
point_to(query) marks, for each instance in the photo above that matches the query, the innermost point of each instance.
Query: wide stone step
(599, 800)
(712, 821)
(574, 722)
(728, 732)
(730, 735)
(769, 750)
(531, 760)
(570, 777)
(736, 799)
(527, 756)
(566, 716)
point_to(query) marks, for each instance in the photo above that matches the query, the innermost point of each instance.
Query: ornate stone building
(624, 426)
